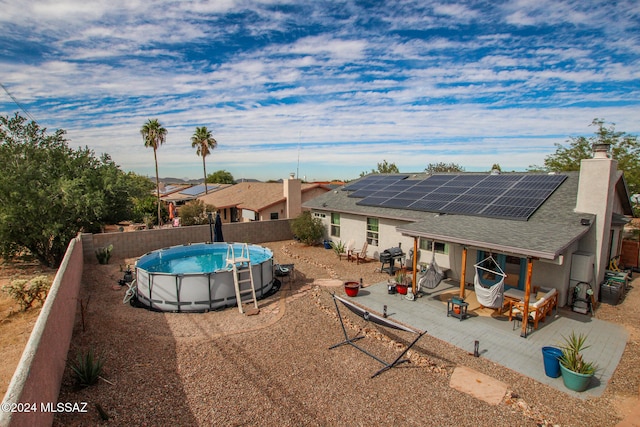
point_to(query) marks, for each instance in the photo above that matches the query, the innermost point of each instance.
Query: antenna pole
(298, 166)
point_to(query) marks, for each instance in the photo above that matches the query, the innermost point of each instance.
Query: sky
(322, 89)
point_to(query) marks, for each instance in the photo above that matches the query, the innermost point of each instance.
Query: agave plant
(87, 368)
(572, 354)
(338, 247)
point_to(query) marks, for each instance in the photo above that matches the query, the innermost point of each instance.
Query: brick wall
(136, 243)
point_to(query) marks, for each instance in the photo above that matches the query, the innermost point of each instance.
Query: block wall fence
(136, 243)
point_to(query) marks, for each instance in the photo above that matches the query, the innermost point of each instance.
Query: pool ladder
(241, 265)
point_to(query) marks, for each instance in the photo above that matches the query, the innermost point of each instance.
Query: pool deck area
(498, 340)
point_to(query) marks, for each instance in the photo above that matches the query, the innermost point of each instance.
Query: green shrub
(25, 292)
(309, 230)
(195, 213)
(87, 368)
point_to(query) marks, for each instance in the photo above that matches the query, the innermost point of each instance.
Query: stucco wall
(279, 208)
(39, 374)
(135, 243)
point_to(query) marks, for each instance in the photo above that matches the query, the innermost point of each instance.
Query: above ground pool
(197, 277)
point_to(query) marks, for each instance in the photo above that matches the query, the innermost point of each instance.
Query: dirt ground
(15, 325)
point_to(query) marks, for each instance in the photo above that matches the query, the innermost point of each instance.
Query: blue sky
(326, 89)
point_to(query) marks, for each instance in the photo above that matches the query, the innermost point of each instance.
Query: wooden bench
(537, 310)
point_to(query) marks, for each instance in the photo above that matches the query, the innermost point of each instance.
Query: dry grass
(15, 325)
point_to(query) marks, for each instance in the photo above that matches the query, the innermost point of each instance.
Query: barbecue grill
(389, 256)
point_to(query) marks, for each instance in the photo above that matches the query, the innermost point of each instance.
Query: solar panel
(465, 208)
(397, 203)
(486, 191)
(197, 189)
(473, 198)
(428, 205)
(372, 201)
(443, 197)
(518, 201)
(413, 194)
(508, 212)
(511, 196)
(372, 179)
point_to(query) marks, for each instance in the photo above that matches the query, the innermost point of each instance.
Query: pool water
(198, 259)
(195, 277)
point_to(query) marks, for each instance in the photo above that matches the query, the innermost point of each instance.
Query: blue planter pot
(575, 381)
(327, 244)
(550, 356)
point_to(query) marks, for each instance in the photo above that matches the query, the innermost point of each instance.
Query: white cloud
(413, 82)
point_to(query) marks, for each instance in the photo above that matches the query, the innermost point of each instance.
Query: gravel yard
(276, 369)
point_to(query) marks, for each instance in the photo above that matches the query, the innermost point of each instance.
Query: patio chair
(360, 255)
(348, 248)
(489, 296)
(433, 275)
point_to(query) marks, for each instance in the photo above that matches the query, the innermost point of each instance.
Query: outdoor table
(454, 303)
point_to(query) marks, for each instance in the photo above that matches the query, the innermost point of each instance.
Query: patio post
(527, 295)
(414, 261)
(464, 271)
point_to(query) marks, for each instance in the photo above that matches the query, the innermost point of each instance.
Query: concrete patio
(498, 340)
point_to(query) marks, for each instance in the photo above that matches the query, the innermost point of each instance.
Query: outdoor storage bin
(611, 292)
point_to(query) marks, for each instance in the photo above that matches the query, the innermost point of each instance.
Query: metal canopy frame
(370, 317)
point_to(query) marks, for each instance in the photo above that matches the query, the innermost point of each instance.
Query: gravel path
(275, 368)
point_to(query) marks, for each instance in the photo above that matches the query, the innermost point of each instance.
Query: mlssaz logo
(63, 407)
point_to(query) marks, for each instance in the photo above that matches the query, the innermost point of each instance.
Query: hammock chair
(433, 275)
(492, 296)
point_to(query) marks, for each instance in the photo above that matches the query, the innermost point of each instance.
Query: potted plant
(401, 282)
(351, 288)
(576, 372)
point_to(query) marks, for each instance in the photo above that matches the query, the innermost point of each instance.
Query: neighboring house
(583, 216)
(179, 194)
(262, 201)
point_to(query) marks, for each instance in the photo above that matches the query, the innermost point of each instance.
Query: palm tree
(154, 135)
(204, 143)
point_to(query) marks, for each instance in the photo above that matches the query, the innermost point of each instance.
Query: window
(440, 247)
(335, 224)
(274, 215)
(372, 231)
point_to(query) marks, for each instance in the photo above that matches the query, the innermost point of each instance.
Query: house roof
(546, 234)
(191, 192)
(254, 196)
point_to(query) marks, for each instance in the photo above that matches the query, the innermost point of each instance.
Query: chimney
(596, 195)
(601, 150)
(293, 194)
